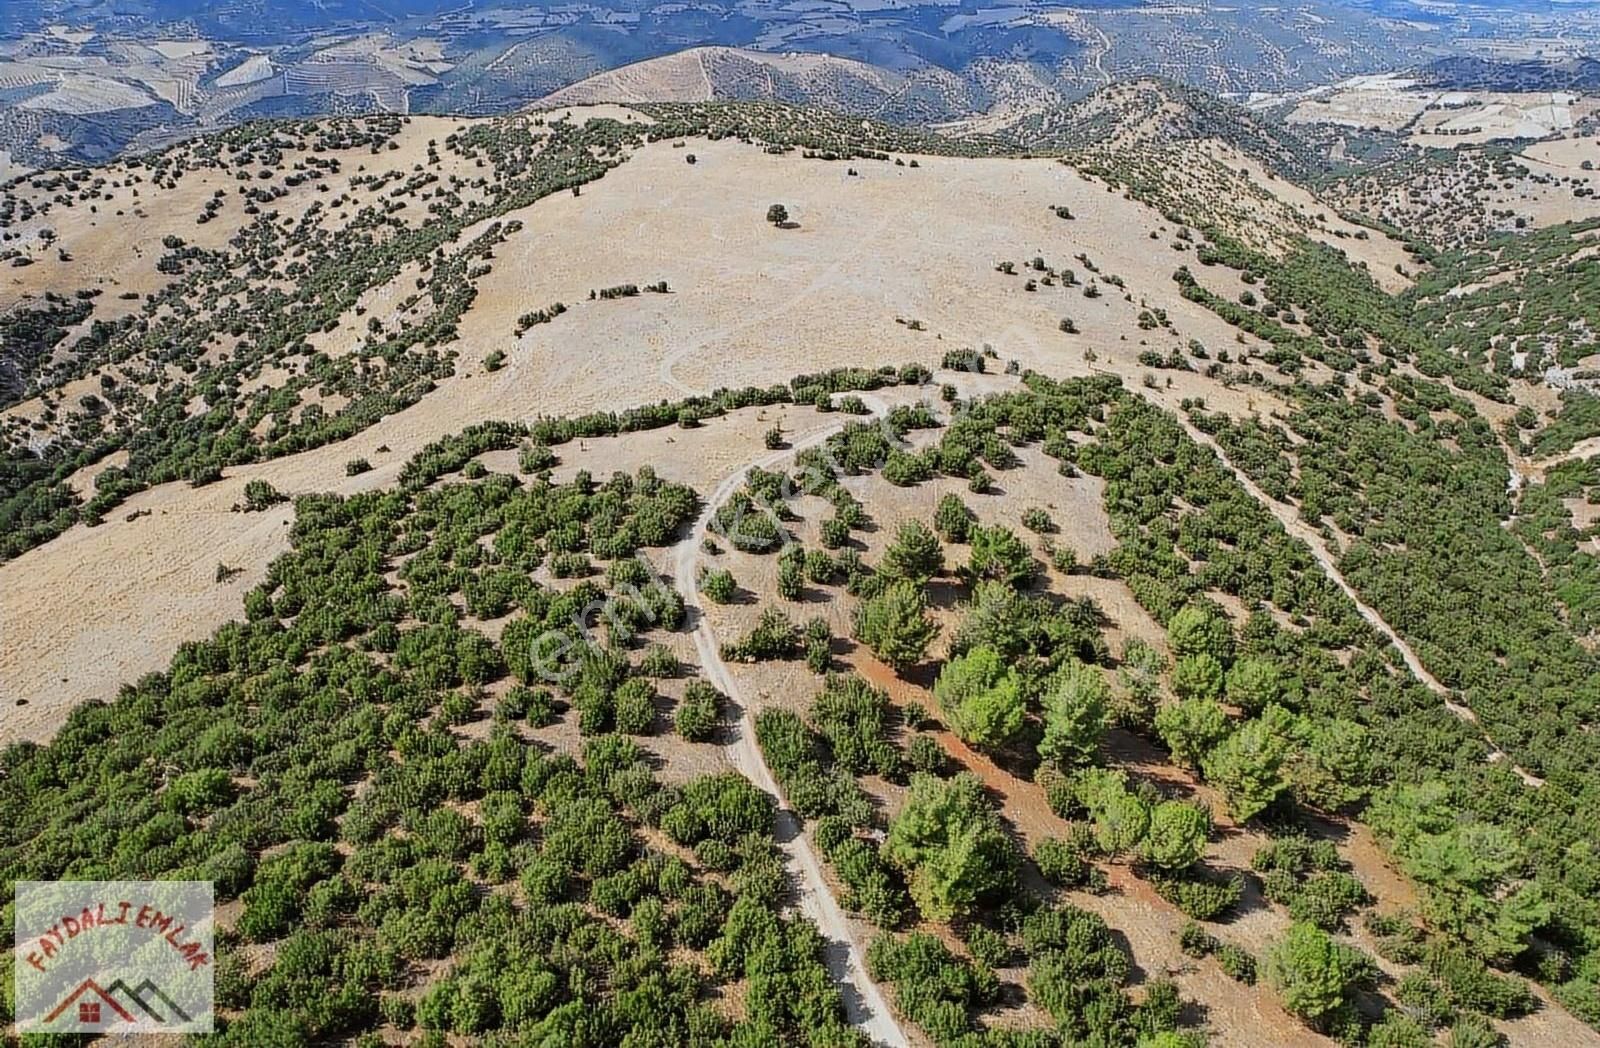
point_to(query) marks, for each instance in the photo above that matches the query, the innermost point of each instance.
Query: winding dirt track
(866, 1007)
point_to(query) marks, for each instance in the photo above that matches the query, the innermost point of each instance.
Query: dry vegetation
(1163, 376)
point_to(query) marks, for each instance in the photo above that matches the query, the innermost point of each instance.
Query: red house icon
(89, 1011)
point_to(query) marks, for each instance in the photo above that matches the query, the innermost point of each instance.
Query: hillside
(1468, 73)
(714, 571)
(1148, 112)
(920, 95)
(1204, 162)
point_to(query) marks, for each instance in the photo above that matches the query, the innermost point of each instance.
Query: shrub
(698, 711)
(874, 889)
(932, 986)
(726, 806)
(1305, 875)
(924, 754)
(1473, 987)
(904, 469)
(1397, 1030)
(832, 831)
(1327, 898)
(851, 715)
(1196, 941)
(198, 791)
(659, 662)
(835, 533)
(259, 495)
(535, 706)
(819, 647)
(718, 585)
(532, 458)
(952, 519)
(774, 636)
(1474, 1031)
(989, 948)
(791, 578)
(635, 710)
(570, 565)
(1425, 999)
(1238, 963)
(716, 855)
(820, 568)
(1060, 863)
(1071, 951)
(1203, 897)
(1315, 975)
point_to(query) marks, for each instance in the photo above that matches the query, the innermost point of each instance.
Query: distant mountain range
(81, 82)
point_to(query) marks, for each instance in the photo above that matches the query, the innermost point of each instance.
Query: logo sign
(114, 957)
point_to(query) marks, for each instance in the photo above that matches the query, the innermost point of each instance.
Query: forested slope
(1031, 772)
(1415, 489)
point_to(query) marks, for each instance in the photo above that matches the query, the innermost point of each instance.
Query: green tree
(949, 840)
(1198, 630)
(777, 214)
(1314, 974)
(1198, 676)
(1253, 684)
(1471, 872)
(1248, 767)
(953, 519)
(1074, 707)
(1177, 835)
(1191, 729)
(1139, 683)
(915, 554)
(1121, 818)
(1333, 768)
(997, 553)
(982, 697)
(895, 625)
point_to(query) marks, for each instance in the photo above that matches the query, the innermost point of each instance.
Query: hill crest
(918, 94)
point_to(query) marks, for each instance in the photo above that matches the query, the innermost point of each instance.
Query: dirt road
(1299, 529)
(866, 1005)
